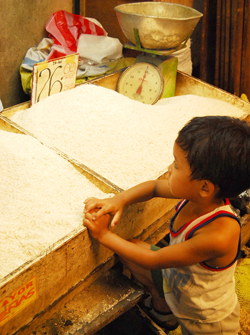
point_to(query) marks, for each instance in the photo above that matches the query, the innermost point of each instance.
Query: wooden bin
(32, 293)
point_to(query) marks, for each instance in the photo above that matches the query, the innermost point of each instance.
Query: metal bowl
(160, 25)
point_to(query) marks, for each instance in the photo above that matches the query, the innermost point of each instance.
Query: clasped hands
(98, 214)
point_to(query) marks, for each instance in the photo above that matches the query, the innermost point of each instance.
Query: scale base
(154, 51)
(159, 52)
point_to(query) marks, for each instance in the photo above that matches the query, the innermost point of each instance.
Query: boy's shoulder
(222, 234)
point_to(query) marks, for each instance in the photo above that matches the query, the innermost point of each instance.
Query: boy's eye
(175, 165)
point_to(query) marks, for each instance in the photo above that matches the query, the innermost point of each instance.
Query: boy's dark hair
(218, 149)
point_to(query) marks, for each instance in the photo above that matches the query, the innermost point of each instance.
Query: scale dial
(141, 82)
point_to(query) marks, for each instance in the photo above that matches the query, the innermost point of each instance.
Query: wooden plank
(83, 8)
(245, 75)
(204, 41)
(107, 298)
(222, 45)
(234, 11)
(218, 43)
(227, 54)
(238, 50)
(12, 110)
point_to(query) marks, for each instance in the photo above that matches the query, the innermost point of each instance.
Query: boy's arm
(170, 256)
(142, 192)
(215, 243)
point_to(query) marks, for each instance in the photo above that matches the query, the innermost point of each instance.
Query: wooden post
(83, 7)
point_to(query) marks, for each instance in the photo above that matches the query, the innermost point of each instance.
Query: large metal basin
(160, 25)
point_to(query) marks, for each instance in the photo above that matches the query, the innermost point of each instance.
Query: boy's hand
(110, 205)
(99, 227)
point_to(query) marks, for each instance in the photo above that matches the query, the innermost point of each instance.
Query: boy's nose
(170, 168)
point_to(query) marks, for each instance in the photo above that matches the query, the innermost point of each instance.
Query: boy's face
(179, 173)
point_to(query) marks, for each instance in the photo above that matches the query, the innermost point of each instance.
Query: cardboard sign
(54, 76)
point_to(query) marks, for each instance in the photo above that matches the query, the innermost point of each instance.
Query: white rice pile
(42, 199)
(125, 141)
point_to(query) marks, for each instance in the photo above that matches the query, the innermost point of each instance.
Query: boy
(193, 277)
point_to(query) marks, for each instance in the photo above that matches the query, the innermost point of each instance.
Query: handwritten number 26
(49, 81)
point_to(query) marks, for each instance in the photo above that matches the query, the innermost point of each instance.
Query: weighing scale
(153, 76)
(142, 82)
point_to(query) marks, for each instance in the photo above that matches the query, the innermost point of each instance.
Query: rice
(42, 199)
(123, 140)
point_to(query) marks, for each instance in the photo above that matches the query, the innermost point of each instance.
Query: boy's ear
(207, 188)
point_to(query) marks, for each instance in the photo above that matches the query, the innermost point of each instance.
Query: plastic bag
(98, 54)
(65, 29)
(99, 49)
(37, 54)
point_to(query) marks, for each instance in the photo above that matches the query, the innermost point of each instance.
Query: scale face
(142, 82)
